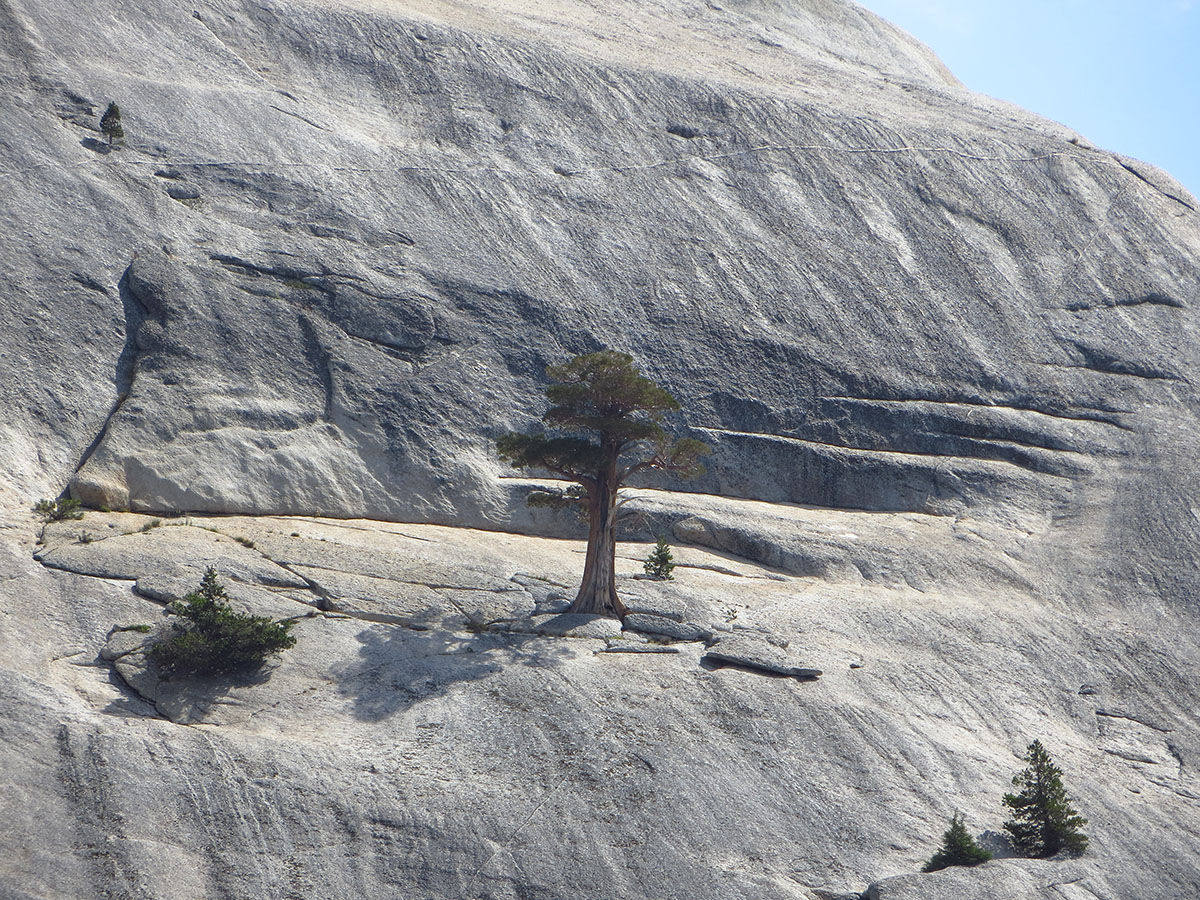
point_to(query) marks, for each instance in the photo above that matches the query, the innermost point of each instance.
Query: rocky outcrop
(944, 351)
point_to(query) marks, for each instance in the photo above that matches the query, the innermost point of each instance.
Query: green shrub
(110, 124)
(57, 510)
(958, 848)
(1044, 822)
(151, 525)
(660, 563)
(214, 639)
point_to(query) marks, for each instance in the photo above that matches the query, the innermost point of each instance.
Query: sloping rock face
(944, 351)
(344, 241)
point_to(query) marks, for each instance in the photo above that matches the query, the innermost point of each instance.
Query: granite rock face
(870, 288)
(944, 350)
(432, 734)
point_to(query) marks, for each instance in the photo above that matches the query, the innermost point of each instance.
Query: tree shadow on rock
(96, 146)
(400, 667)
(129, 704)
(196, 699)
(187, 700)
(998, 844)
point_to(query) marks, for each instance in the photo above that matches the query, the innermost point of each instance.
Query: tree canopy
(618, 410)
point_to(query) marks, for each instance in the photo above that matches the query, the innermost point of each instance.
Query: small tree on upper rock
(57, 510)
(1044, 822)
(958, 848)
(110, 124)
(611, 417)
(660, 563)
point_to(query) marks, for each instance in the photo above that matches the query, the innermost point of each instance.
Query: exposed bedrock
(944, 351)
(870, 288)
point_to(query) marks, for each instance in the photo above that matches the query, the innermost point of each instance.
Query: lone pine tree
(660, 563)
(1044, 822)
(110, 124)
(958, 848)
(604, 423)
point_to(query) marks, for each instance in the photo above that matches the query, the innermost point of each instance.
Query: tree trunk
(598, 593)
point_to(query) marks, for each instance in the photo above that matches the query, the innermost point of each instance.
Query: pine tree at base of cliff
(1044, 822)
(958, 848)
(605, 427)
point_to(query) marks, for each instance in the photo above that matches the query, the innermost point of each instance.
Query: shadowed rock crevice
(135, 314)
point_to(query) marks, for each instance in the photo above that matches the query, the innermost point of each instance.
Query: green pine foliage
(1043, 820)
(601, 409)
(660, 562)
(110, 124)
(57, 510)
(958, 848)
(214, 639)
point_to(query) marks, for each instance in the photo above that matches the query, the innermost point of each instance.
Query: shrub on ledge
(215, 639)
(58, 510)
(958, 848)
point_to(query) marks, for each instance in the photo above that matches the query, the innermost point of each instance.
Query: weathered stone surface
(548, 597)
(163, 588)
(757, 656)
(183, 192)
(945, 348)
(664, 627)
(125, 640)
(1024, 352)
(998, 880)
(845, 780)
(572, 625)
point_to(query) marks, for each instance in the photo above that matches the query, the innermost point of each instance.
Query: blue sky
(1125, 75)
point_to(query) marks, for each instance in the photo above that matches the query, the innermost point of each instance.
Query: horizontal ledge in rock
(638, 648)
(800, 673)
(756, 656)
(573, 625)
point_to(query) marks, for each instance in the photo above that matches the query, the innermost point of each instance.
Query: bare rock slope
(945, 352)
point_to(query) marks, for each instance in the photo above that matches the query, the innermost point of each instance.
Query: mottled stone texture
(944, 350)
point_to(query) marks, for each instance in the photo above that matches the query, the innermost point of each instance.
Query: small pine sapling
(216, 639)
(1044, 822)
(110, 124)
(58, 510)
(660, 562)
(958, 848)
